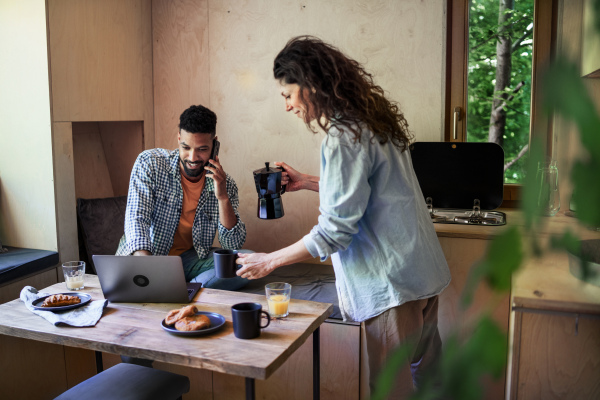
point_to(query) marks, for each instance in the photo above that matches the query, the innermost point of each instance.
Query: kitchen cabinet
(555, 355)
(554, 337)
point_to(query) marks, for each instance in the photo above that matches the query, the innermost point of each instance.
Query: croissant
(193, 323)
(59, 300)
(175, 315)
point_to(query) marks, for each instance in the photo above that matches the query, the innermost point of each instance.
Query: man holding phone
(179, 199)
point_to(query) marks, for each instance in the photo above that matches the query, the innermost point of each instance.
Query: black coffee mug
(246, 320)
(225, 266)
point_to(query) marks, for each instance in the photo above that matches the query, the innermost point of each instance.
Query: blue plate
(216, 322)
(85, 298)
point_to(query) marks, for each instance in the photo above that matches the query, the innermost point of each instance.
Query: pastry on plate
(175, 315)
(193, 323)
(60, 300)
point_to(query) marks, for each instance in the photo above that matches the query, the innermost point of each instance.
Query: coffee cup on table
(246, 320)
(225, 266)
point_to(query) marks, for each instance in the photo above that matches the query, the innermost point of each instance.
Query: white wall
(27, 207)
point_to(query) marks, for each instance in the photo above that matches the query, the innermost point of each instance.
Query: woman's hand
(295, 180)
(254, 265)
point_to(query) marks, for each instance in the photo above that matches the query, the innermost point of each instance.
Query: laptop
(144, 279)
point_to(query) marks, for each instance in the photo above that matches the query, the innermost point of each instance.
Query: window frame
(544, 39)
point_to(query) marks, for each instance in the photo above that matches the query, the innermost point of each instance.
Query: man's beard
(192, 173)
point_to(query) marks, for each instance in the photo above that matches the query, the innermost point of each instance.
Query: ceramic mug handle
(268, 319)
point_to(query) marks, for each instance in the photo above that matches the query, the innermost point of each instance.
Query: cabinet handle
(576, 324)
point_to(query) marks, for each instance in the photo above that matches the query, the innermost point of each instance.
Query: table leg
(99, 365)
(250, 392)
(316, 365)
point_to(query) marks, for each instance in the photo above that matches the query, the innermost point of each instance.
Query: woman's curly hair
(340, 91)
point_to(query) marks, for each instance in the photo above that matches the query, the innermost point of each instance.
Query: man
(179, 199)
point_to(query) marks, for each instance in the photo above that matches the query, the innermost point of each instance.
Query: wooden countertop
(547, 284)
(542, 283)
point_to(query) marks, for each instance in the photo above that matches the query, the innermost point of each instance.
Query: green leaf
(586, 193)
(564, 92)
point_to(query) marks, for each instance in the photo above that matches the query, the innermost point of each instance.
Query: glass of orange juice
(278, 298)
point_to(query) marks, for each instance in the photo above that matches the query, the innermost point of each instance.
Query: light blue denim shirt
(375, 225)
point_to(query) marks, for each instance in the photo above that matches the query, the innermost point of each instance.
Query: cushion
(314, 282)
(19, 262)
(102, 223)
(130, 381)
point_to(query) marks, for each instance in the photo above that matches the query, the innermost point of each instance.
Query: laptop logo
(141, 280)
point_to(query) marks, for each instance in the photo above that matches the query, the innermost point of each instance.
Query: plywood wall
(235, 42)
(98, 54)
(180, 63)
(103, 156)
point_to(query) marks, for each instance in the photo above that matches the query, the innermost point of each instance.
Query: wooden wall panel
(31, 369)
(96, 57)
(80, 364)
(181, 64)
(92, 179)
(121, 143)
(401, 43)
(64, 185)
(340, 359)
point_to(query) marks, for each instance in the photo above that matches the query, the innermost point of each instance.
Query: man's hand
(226, 213)
(219, 178)
(142, 253)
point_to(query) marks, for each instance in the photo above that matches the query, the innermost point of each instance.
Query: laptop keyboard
(190, 291)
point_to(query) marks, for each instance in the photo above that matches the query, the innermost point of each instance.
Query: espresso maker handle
(282, 186)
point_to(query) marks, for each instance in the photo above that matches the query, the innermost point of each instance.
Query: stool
(130, 382)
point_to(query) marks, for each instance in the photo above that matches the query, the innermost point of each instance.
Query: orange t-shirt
(192, 191)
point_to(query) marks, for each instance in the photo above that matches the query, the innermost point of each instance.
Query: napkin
(87, 315)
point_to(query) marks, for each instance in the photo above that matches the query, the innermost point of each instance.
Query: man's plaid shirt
(154, 205)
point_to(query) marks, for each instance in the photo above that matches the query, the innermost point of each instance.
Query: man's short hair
(198, 119)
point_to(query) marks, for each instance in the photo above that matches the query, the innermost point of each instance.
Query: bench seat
(18, 263)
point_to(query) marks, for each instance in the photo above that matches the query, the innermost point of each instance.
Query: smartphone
(214, 153)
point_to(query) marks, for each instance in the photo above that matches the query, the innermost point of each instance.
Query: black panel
(454, 174)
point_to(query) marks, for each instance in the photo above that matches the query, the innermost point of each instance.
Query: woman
(374, 224)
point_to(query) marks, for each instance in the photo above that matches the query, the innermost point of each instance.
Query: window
(488, 99)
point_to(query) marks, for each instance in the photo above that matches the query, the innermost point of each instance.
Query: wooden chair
(130, 382)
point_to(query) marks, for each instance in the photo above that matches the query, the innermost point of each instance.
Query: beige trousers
(415, 321)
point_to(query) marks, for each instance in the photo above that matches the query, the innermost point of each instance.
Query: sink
(590, 251)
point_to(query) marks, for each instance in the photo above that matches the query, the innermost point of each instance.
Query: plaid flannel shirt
(154, 204)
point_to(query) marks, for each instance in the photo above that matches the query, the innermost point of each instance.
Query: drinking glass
(278, 298)
(74, 272)
(548, 194)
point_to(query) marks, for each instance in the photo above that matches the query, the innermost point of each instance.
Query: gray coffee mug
(225, 266)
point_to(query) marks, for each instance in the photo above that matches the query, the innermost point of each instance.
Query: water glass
(74, 272)
(548, 194)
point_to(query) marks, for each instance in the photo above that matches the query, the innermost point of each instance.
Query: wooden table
(135, 330)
